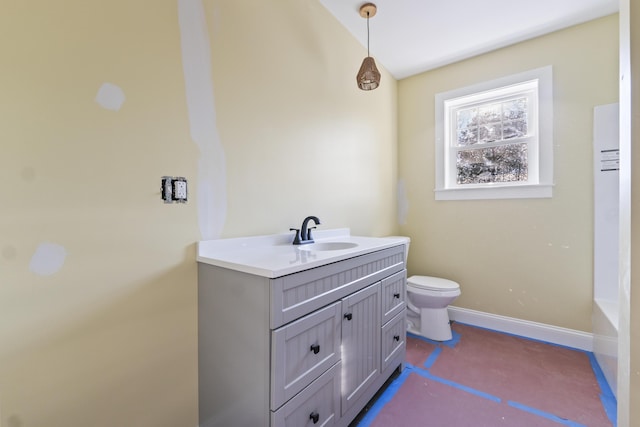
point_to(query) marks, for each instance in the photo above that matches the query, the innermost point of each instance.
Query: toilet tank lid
(433, 283)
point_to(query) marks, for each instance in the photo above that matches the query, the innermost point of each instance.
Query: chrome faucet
(303, 235)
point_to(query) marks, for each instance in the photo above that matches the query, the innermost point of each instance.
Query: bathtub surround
(606, 200)
(606, 171)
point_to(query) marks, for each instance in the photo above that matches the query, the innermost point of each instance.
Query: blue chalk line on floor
(608, 400)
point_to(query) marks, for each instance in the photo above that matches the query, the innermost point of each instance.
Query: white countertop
(275, 255)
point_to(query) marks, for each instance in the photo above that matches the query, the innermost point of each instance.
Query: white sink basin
(328, 246)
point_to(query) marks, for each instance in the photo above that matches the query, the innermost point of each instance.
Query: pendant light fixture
(368, 77)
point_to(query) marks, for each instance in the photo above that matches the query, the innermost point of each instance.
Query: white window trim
(544, 187)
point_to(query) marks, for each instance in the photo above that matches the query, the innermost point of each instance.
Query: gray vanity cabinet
(306, 349)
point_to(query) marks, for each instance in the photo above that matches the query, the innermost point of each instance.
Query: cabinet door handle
(396, 337)
(314, 416)
(348, 316)
(396, 295)
(315, 348)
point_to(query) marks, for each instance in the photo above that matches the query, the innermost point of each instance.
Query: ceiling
(412, 36)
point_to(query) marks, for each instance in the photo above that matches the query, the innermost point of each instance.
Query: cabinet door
(360, 343)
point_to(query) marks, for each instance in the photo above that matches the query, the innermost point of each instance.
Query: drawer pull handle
(396, 337)
(396, 295)
(348, 316)
(314, 416)
(315, 348)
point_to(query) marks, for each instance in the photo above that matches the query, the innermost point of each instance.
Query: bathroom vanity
(297, 335)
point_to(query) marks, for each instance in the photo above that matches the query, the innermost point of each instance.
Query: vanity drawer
(317, 405)
(394, 335)
(297, 294)
(303, 350)
(393, 295)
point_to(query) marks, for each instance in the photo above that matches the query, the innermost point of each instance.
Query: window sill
(539, 191)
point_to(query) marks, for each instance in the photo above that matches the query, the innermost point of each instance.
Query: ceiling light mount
(368, 77)
(368, 10)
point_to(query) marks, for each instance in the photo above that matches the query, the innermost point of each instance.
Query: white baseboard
(538, 331)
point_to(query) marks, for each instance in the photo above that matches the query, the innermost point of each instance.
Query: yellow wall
(525, 258)
(98, 296)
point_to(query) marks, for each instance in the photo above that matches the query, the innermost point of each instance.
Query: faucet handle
(296, 239)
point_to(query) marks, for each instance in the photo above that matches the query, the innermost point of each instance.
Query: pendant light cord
(368, 34)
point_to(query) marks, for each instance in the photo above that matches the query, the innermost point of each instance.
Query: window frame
(540, 166)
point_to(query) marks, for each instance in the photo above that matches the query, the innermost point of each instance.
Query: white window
(494, 140)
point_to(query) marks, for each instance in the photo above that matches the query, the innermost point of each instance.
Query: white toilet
(427, 301)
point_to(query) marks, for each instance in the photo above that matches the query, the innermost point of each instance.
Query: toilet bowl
(427, 301)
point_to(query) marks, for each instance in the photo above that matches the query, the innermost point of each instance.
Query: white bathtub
(605, 340)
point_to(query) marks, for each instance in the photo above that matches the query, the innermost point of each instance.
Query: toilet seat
(432, 283)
